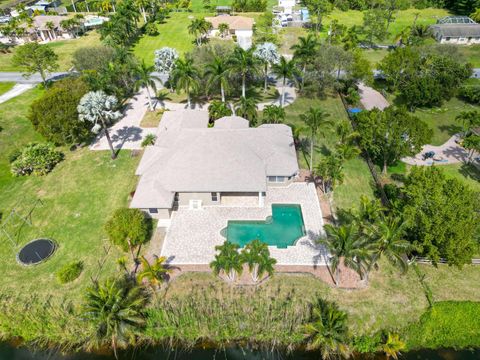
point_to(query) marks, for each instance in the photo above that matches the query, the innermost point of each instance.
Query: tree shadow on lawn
(470, 172)
(451, 129)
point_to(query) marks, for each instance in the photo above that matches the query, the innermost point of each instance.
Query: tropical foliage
(36, 159)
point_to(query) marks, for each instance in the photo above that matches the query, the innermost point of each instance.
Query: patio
(193, 234)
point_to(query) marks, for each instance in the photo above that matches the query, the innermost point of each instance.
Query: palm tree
(223, 29)
(388, 236)
(100, 109)
(154, 273)
(266, 53)
(243, 63)
(330, 169)
(328, 331)
(346, 248)
(51, 29)
(185, 76)
(146, 79)
(142, 4)
(314, 119)
(470, 119)
(257, 256)
(273, 114)
(217, 110)
(304, 52)
(199, 28)
(115, 309)
(247, 108)
(227, 260)
(286, 70)
(345, 133)
(347, 151)
(217, 73)
(393, 345)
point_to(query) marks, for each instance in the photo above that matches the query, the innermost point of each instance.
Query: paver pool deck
(193, 234)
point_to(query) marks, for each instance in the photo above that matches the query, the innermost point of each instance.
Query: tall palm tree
(51, 29)
(257, 256)
(273, 114)
(115, 309)
(243, 63)
(314, 119)
(287, 70)
(185, 76)
(304, 52)
(217, 72)
(328, 331)
(247, 108)
(227, 260)
(147, 80)
(99, 109)
(199, 28)
(346, 248)
(267, 54)
(153, 273)
(470, 119)
(142, 4)
(330, 169)
(388, 236)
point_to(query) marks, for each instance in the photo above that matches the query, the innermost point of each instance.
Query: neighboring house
(41, 28)
(456, 30)
(44, 5)
(240, 26)
(194, 165)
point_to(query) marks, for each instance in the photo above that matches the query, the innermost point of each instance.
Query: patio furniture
(428, 155)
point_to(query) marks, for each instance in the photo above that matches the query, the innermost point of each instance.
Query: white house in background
(44, 32)
(459, 30)
(240, 26)
(193, 165)
(287, 5)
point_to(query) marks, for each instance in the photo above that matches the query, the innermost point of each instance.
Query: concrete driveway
(371, 98)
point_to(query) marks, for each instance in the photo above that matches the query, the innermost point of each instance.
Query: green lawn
(471, 53)
(63, 48)
(447, 325)
(78, 197)
(357, 176)
(442, 120)
(469, 174)
(403, 19)
(6, 86)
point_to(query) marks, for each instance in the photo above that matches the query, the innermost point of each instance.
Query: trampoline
(36, 251)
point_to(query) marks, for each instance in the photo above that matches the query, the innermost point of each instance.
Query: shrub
(69, 272)
(55, 116)
(217, 110)
(127, 228)
(37, 159)
(149, 140)
(14, 155)
(92, 58)
(470, 94)
(151, 29)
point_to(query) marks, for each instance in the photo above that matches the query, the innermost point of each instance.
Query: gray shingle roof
(456, 30)
(213, 160)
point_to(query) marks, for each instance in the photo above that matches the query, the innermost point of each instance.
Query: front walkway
(371, 98)
(193, 234)
(448, 153)
(127, 133)
(15, 91)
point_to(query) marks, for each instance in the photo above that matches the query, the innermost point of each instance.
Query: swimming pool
(282, 229)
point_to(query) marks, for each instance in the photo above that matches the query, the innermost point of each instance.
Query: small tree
(128, 229)
(267, 53)
(273, 114)
(33, 57)
(99, 109)
(165, 60)
(217, 110)
(36, 159)
(247, 108)
(185, 76)
(472, 144)
(257, 256)
(154, 273)
(223, 29)
(286, 70)
(393, 345)
(227, 260)
(147, 80)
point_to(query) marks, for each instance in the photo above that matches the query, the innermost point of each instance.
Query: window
(214, 196)
(447, 38)
(276, 179)
(153, 211)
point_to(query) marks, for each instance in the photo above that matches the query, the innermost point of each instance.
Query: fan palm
(185, 76)
(287, 70)
(227, 260)
(146, 79)
(217, 73)
(314, 119)
(257, 256)
(347, 248)
(247, 108)
(328, 331)
(267, 53)
(153, 273)
(243, 63)
(304, 52)
(115, 309)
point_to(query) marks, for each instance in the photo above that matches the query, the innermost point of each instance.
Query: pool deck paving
(193, 234)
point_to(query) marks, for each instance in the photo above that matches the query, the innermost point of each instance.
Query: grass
(289, 37)
(78, 196)
(6, 86)
(375, 56)
(447, 325)
(469, 174)
(151, 118)
(403, 19)
(173, 33)
(471, 54)
(63, 48)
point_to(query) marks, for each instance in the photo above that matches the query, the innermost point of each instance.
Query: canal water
(8, 352)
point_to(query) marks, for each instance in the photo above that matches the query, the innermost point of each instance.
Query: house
(456, 30)
(239, 26)
(45, 32)
(192, 165)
